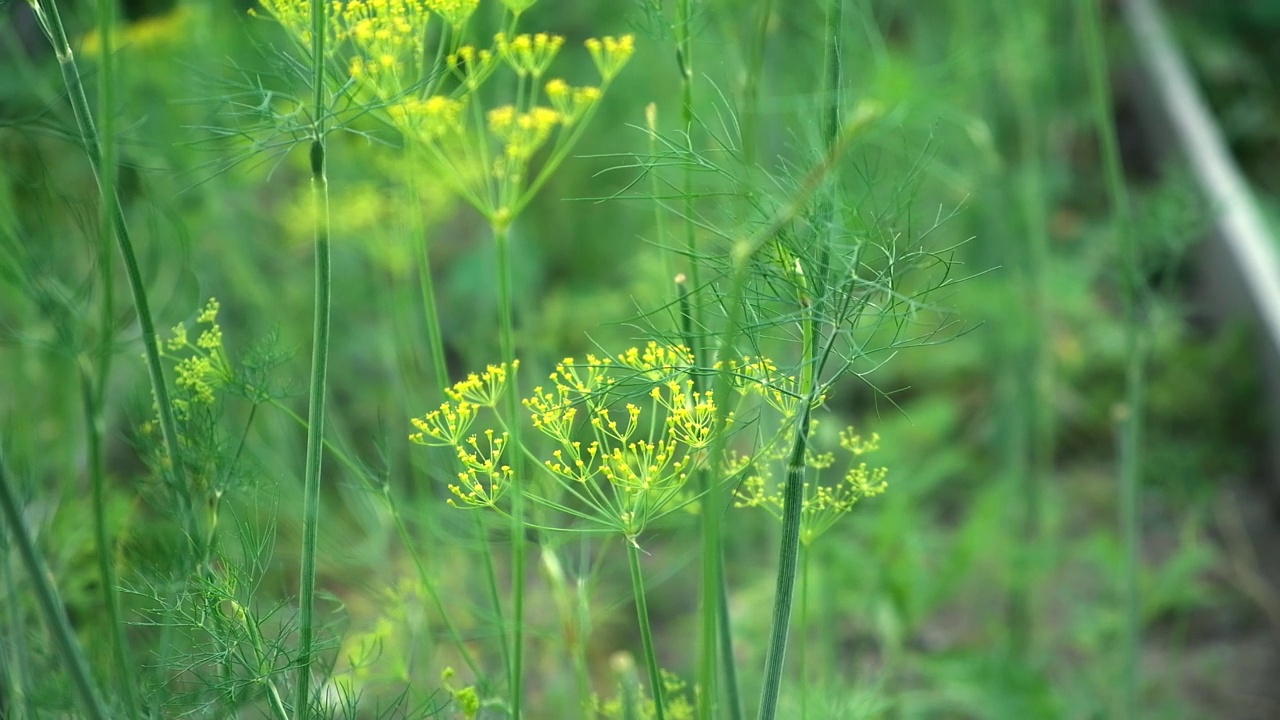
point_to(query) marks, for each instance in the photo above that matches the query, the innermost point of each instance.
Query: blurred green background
(987, 583)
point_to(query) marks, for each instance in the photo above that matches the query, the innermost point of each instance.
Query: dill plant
(376, 47)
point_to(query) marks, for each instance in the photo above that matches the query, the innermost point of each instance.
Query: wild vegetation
(508, 358)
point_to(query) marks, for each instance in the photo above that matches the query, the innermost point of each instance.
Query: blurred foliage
(912, 593)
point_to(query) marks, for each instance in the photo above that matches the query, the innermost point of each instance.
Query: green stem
(646, 634)
(50, 604)
(831, 77)
(435, 341)
(1031, 441)
(709, 488)
(94, 390)
(491, 583)
(729, 666)
(435, 338)
(751, 89)
(792, 499)
(711, 500)
(319, 372)
(15, 661)
(806, 558)
(51, 23)
(1131, 423)
(429, 583)
(91, 399)
(507, 308)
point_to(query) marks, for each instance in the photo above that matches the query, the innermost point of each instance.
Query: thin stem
(15, 661)
(51, 23)
(435, 345)
(429, 583)
(728, 664)
(646, 635)
(50, 604)
(491, 585)
(724, 625)
(711, 500)
(94, 389)
(1131, 422)
(319, 371)
(1030, 441)
(91, 399)
(435, 339)
(512, 399)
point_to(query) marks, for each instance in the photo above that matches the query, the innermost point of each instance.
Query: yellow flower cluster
(201, 367)
(522, 134)
(380, 45)
(633, 463)
(484, 389)
(610, 54)
(483, 478)
(626, 463)
(387, 38)
(445, 426)
(471, 66)
(571, 102)
(822, 505)
(497, 180)
(761, 376)
(528, 54)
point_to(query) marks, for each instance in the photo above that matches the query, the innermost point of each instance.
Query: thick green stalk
(50, 604)
(784, 590)
(507, 308)
(806, 569)
(51, 23)
(319, 371)
(751, 89)
(1135, 373)
(646, 634)
(741, 256)
(831, 83)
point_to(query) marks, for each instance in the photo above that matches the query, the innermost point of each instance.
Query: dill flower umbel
(822, 505)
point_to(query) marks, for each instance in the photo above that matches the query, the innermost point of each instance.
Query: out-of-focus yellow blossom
(518, 6)
(611, 54)
(522, 133)
(454, 12)
(156, 31)
(571, 102)
(471, 66)
(430, 119)
(822, 505)
(528, 54)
